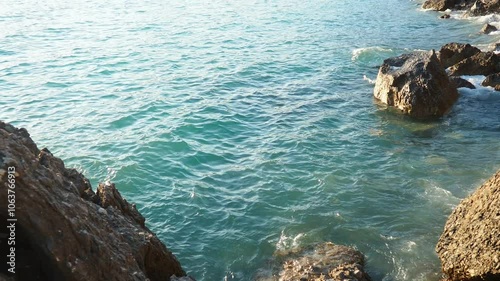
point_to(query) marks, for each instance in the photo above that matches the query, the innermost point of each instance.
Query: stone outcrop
(471, 7)
(488, 28)
(492, 80)
(67, 232)
(320, 262)
(439, 5)
(453, 53)
(462, 83)
(483, 63)
(469, 247)
(416, 84)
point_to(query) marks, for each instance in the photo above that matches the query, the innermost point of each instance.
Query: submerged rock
(65, 230)
(483, 63)
(469, 248)
(321, 262)
(453, 53)
(416, 84)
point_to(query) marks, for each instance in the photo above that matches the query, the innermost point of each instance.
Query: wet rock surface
(492, 80)
(321, 262)
(416, 84)
(462, 83)
(67, 231)
(469, 247)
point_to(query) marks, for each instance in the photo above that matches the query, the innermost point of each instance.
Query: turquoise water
(245, 127)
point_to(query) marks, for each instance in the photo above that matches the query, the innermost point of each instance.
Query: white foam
(359, 52)
(368, 80)
(288, 242)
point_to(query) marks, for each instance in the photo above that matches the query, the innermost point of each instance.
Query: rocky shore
(424, 85)
(66, 231)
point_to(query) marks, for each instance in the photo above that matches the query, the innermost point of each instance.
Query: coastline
(194, 193)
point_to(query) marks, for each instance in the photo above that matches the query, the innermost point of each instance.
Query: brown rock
(492, 80)
(445, 16)
(64, 230)
(488, 28)
(482, 8)
(439, 5)
(452, 53)
(469, 248)
(321, 262)
(416, 84)
(462, 83)
(484, 63)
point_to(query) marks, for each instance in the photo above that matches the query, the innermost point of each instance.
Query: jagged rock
(483, 63)
(64, 230)
(320, 262)
(453, 53)
(439, 5)
(469, 247)
(492, 80)
(481, 8)
(488, 28)
(416, 84)
(462, 83)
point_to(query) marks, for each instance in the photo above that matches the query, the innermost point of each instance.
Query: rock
(320, 262)
(488, 28)
(469, 247)
(416, 84)
(445, 16)
(481, 8)
(65, 231)
(492, 80)
(462, 83)
(453, 53)
(483, 63)
(439, 5)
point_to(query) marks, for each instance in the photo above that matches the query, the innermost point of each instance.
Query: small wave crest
(368, 80)
(287, 243)
(371, 54)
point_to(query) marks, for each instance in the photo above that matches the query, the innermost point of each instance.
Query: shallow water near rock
(244, 127)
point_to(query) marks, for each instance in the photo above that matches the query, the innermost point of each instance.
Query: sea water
(240, 128)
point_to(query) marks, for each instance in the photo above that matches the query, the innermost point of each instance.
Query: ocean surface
(242, 128)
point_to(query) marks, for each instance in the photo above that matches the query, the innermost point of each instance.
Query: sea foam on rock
(416, 84)
(65, 230)
(469, 247)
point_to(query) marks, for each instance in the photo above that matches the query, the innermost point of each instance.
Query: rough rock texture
(484, 63)
(488, 28)
(482, 8)
(65, 231)
(471, 7)
(492, 80)
(469, 247)
(439, 5)
(453, 53)
(462, 83)
(321, 262)
(416, 84)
